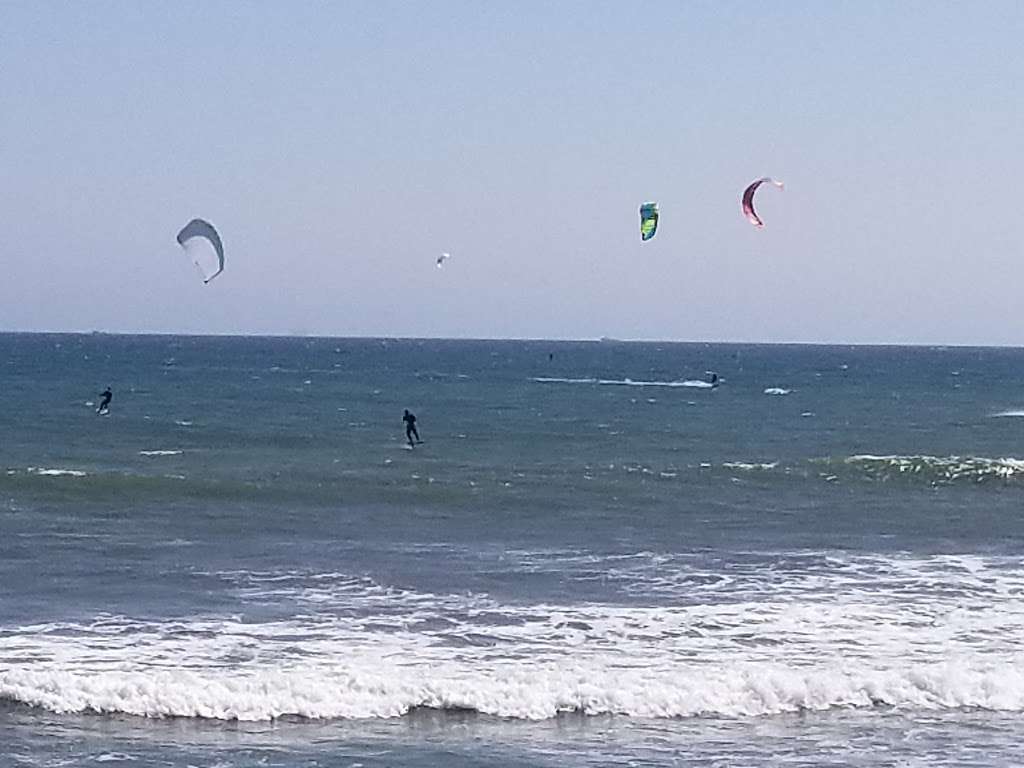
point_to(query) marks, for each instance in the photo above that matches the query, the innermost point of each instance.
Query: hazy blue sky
(339, 147)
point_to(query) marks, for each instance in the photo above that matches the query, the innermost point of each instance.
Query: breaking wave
(769, 635)
(938, 469)
(515, 692)
(905, 469)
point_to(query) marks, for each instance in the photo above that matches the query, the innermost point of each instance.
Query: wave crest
(938, 469)
(516, 693)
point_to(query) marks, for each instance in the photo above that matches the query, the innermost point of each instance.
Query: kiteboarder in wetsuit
(107, 396)
(410, 428)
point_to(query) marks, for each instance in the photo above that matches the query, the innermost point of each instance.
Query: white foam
(777, 391)
(812, 631)
(1014, 414)
(751, 466)
(161, 453)
(525, 693)
(56, 472)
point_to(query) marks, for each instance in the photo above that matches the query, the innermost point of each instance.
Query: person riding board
(106, 396)
(410, 428)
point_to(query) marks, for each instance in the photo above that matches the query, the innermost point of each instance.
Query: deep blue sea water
(593, 559)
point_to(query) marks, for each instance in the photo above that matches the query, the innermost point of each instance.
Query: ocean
(593, 559)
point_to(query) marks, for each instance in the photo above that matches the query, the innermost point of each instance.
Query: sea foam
(813, 632)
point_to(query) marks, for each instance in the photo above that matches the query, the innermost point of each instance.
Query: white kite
(202, 243)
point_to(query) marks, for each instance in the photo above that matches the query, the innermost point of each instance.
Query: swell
(78, 486)
(460, 484)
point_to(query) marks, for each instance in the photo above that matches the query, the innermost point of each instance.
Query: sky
(340, 147)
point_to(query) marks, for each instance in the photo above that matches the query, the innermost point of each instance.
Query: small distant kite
(748, 200)
(202, 243)
(648, 220)
(442, 259)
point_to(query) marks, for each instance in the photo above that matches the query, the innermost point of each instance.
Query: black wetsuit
(105, 402)
(410, 428)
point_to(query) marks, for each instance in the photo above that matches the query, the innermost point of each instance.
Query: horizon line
(555, 340)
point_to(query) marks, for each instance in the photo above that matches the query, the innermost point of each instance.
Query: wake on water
(689, 384)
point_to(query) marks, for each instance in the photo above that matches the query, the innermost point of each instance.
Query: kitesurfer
(410, 428)
(106, 397)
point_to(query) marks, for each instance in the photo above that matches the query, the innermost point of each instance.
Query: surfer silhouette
(410, 428)
(106, 396)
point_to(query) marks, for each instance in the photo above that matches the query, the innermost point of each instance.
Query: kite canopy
(648, 220)
(748, 199)
(202, 243)
(441, 259)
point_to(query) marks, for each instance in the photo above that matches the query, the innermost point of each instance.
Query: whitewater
(937, 633)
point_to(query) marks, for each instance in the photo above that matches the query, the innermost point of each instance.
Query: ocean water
(593, 559)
